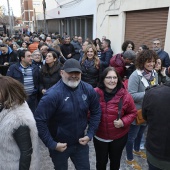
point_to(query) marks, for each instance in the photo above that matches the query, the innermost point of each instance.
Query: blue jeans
(151, 167)
(134, 139)
(79, 154)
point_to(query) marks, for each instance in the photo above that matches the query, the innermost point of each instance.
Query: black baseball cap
(72, 65)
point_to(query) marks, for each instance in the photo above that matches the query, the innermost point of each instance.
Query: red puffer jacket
(106, 129)
(117, 62)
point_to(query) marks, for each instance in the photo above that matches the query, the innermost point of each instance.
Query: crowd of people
(64, 92)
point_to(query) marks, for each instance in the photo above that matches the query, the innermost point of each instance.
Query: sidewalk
(124, 166)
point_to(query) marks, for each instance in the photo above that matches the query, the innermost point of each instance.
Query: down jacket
(106, 129)
(117, 62)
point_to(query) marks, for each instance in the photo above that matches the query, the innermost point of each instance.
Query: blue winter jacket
(164, 56)
(61, 115)
(105, 58)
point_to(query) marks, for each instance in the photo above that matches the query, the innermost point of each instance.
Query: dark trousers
(151, 167)
(32, 102)
(113, 150)
(79, 154)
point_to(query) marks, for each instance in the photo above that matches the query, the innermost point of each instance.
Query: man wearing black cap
(61, 118)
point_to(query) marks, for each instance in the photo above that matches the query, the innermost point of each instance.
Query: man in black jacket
(7, 58)
(67, 48)
(106, 54)
(156, 111)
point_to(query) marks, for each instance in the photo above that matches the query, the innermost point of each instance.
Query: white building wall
(84, 7)
(38, 6)
(111, 16)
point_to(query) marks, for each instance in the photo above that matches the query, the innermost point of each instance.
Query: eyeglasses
(37, 54)
(110, 78)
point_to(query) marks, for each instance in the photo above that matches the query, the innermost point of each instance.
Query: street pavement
(124, 166)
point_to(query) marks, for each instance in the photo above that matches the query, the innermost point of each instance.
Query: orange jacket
(32, 47)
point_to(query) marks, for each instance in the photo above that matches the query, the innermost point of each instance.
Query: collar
(23, 66)
(143, 79)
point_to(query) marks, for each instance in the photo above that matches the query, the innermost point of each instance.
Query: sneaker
(134, 164)
(142, 147)
(140, 153)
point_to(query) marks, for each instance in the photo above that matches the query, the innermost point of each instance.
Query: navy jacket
(61, 115)
(164, 56)
(16, 73)
(105, 57)
(10, 57)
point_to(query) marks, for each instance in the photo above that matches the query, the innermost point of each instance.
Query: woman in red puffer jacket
(112, 132)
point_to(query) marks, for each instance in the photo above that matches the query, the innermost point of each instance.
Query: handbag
(139, 118)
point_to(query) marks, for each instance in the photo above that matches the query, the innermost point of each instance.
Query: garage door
(144, 25)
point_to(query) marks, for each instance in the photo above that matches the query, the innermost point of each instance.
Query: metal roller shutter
(144, 25)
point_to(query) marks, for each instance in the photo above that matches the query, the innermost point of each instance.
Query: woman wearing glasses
(37, 58)
(118, 112)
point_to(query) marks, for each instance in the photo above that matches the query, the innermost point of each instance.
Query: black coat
(47, 80)
(90, 75)
(156, 110)
(67, 49)
(10, 57)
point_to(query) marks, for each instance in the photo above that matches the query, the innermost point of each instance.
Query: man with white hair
(61, 118)
(164, 56)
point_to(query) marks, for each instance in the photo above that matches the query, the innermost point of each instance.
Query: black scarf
(109, 96)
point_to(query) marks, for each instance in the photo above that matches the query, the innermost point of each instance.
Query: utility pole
(44, 10)
(10, 24)
(12, 20)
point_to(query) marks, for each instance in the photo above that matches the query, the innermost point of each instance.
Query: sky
(14, 4)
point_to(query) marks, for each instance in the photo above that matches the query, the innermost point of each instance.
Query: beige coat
(11, 119)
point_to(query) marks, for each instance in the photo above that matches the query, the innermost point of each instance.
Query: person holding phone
(118, 112)
(161, 71)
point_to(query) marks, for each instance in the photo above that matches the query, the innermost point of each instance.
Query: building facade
(27, 12)
(139, 21)
(74, 17)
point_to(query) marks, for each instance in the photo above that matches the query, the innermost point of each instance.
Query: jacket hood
(9, 51)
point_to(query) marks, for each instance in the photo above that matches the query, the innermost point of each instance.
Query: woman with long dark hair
(98, 46)
(118, 112)
(161, 71)
(50, 72)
